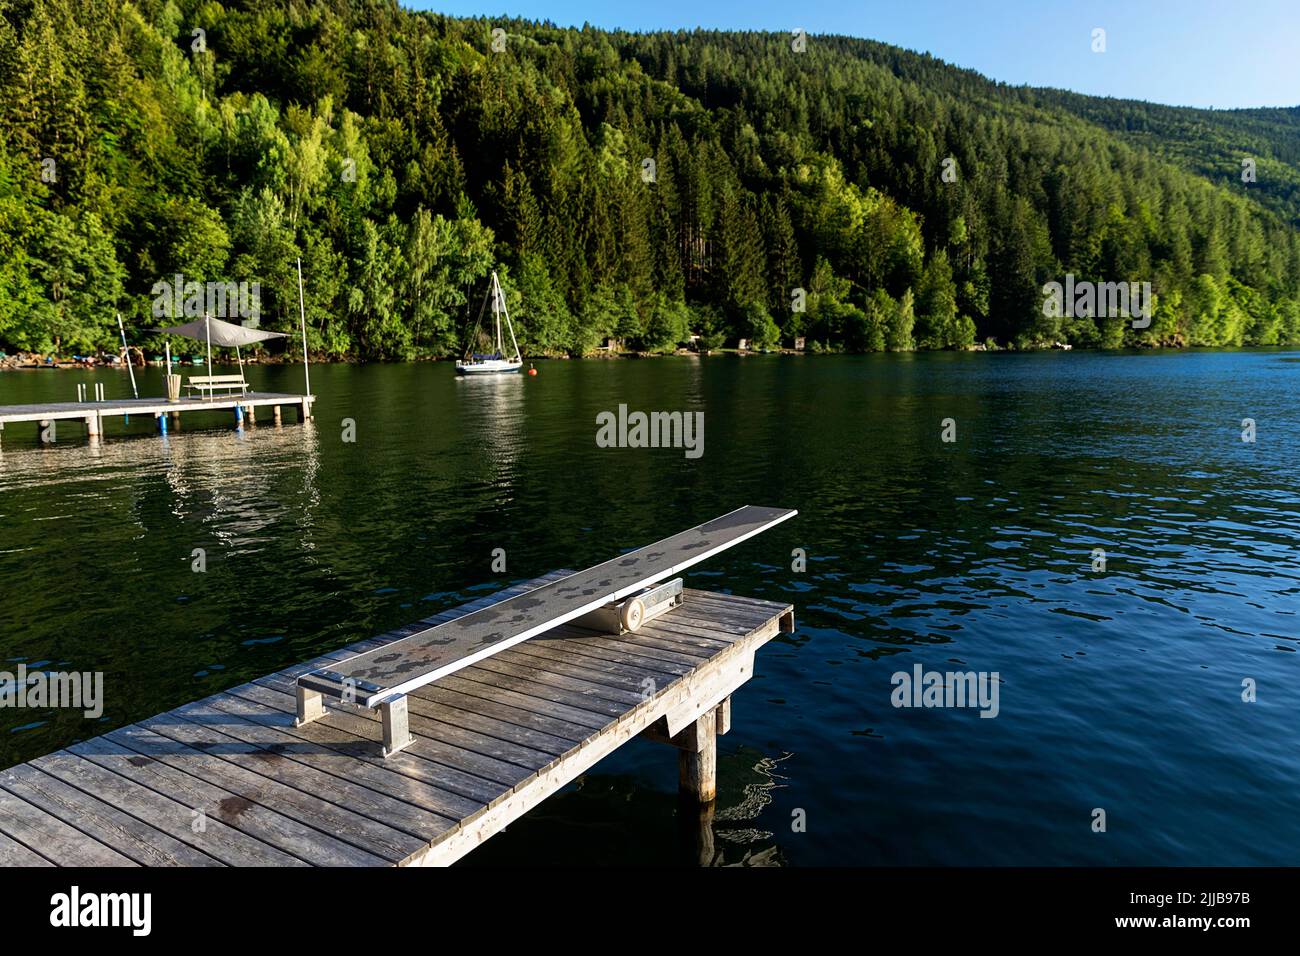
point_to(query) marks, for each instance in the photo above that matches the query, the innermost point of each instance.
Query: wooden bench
(382, 678)
(210, 383)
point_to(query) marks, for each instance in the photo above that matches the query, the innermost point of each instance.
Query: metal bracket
(311, 706)
(393, 716)
(397, 727)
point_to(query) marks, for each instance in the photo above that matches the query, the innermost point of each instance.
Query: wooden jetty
(93, 414)
(230, 780)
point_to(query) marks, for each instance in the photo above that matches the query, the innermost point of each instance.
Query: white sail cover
(223, 334)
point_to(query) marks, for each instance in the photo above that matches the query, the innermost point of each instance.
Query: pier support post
(311, 706)
(239, 416)
(397, 726)
(251, 414)
(92, 425)
(722, 713)
(697, 759)
(277, 415)
(176, 420)
(306, 410)
(697, 750)
(47, 428)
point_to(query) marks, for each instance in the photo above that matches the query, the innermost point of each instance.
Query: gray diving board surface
(381, 677)
(490, 742)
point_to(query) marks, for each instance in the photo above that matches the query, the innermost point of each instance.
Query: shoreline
(11, 366)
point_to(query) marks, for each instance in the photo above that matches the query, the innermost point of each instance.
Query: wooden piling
(723, 715)
(697, 759)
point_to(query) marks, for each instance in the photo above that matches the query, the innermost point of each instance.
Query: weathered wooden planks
(13, 853)
(101, 819)
(60, 844)
(491, 741)
(278, 832)
(167, 815)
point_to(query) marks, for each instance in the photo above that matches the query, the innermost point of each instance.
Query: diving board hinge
(619, 617)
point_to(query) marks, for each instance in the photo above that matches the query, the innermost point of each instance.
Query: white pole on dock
(302, 313)
(126, 354)
(207, 326)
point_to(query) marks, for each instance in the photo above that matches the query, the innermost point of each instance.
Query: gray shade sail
(223, 334)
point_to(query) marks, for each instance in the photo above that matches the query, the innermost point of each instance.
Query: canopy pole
(302, 313)
(240, 360)
(207, 324)
(126, 354)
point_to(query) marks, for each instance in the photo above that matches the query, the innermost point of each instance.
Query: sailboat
(493, 360)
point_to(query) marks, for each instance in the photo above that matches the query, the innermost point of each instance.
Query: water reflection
(492, 415)
(232, 483)
(229, 480)
(725, 827)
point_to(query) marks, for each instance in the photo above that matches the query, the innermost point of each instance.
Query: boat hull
(490, 367)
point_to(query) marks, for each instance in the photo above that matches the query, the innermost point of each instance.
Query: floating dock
(92, 415)
(229, 780)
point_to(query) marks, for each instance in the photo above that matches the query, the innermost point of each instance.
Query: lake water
(1120, 690)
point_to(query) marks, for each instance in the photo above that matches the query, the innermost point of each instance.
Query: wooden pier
(92, 415)
(229, 780)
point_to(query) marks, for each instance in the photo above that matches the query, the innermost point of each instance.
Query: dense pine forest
(645, 187)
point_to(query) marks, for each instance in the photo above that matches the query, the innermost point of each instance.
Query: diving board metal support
(397, 725)
(311, 706)
(615, 594)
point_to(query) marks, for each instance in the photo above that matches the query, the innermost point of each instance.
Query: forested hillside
(402, 157)
(1212, 143)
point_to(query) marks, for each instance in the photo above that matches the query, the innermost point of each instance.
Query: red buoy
(532, 370)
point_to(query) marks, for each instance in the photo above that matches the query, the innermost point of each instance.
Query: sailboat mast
(510, 325)
(496, 313)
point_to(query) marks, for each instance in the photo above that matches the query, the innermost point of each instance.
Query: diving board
(382, 678)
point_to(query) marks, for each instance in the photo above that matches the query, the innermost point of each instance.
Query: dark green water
(1119, 690)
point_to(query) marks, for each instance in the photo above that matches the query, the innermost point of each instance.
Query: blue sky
(1185, 52)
